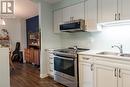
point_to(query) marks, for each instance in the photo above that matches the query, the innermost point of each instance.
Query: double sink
(114, 54)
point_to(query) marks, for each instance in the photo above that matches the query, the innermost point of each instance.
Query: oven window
(64, 66)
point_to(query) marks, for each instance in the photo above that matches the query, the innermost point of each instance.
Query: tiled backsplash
(99, 40)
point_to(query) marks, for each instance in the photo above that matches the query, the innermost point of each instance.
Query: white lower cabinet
(104, 76)
(86, 75)
(50, 62)
(124, 79)
(85, 71)
(103, 72)
(111, 73)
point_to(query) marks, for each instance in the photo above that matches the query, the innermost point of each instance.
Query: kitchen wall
(96, 40)
(99, 40)
(17, 31)
(48, 38)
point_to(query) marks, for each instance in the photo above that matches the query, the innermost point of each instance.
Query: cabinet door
(124, 6)
(73, 12)
(66, 14)
(104, 76)
(85, 75)
(124, 79)
(58, 19)
(107, 10)
(91, 15)
(37, 57)
(50, 63)
(77, 11)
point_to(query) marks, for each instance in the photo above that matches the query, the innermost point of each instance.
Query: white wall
(48, 38)
(23, 34)
(17, 31)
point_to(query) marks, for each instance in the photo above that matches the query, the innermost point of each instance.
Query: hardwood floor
(26, 75)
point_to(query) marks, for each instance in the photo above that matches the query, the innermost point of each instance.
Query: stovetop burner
(69, 52)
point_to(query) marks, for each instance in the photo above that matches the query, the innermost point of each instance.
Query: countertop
(94, 53)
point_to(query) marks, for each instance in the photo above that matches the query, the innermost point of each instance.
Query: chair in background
(17, 54)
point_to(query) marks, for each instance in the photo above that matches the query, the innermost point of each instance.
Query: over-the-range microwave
(73, 26)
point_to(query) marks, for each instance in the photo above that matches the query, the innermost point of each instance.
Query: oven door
(64, 65)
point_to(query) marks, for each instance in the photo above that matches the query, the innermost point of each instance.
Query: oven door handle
(64, 58)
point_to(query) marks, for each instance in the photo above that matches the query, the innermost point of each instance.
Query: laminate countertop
(95, 53)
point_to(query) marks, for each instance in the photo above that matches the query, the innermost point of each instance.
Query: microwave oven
(73, 26)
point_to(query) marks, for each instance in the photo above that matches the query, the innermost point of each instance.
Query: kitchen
(112, 30)
(106, 66)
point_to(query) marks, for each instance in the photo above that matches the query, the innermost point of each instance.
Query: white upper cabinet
(58, 19)
(113, 10)
(73, 12)
(107, 10)
(91, 15)
(124, 7)
(77, 11)
(66, 14)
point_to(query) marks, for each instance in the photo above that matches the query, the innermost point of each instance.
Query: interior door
(104, 76)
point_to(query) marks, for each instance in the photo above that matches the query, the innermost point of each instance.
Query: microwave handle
(63, 58)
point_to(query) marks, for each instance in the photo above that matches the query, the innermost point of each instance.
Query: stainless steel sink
(114, 54)
(125, 55)
(109, 53)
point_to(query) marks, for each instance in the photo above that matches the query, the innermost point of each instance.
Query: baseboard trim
(43, 75)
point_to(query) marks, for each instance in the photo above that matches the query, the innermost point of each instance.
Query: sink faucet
(120, 47)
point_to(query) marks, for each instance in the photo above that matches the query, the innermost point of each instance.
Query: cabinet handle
(71, 18)
(119, 73)
(115, 16)
(115, 72)
(85, 58)
(51, 63)
(91, 67)
(119, 16)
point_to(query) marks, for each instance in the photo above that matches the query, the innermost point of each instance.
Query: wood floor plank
(26, 75)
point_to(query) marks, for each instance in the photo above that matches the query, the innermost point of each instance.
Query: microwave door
(70, 26)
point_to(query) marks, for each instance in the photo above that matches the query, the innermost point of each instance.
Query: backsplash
(99, 40)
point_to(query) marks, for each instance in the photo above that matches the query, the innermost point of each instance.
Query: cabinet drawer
(84, 58)
(51, 67)
(111, 62)
(51, 57)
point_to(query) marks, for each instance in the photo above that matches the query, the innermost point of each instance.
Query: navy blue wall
(32, 24)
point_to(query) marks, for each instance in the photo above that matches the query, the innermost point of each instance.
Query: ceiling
(25, 8)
